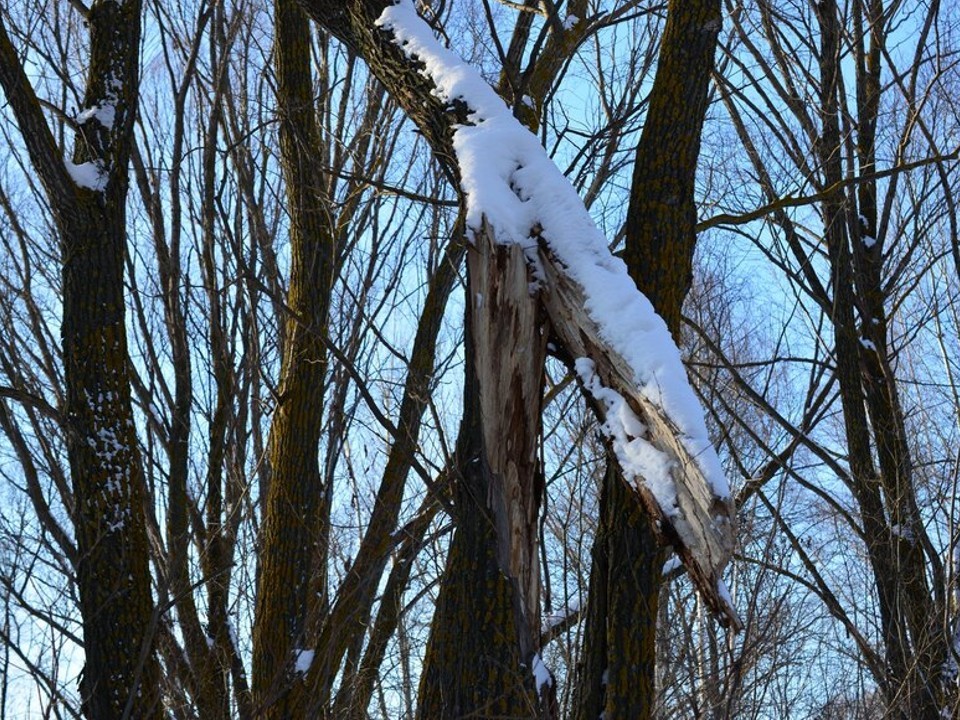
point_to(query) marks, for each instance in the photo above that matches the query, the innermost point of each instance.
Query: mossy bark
(290, 587)
(619, 656)
(121, 675)
(619, 661)
(473, 666)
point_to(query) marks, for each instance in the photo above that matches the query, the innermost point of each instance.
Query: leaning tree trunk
(121, 677)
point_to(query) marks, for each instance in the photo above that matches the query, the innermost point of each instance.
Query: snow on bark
(541, 675)
(625, 355)
(104, 114)
(89, 175)
(558, 617)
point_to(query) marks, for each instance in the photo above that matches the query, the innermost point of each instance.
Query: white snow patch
(868, 344)
(232, 632)
(867, 240)
(903, 531)
(640, 460)
(672, 563)
(541, 675)
(114, 525)
(724, 592)
(511, 182)
(90, 175)
(570, 21)
(558, 617)
(104, 114)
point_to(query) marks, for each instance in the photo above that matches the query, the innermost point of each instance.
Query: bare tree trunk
(88, 197)
(484, 641)
(292, 589)
(619, 658)
(507, 332)
(912, 632)
(619, 653)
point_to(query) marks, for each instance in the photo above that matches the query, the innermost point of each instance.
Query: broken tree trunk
(537, 262)
(445, 97)
(701, 525)
(483, 654)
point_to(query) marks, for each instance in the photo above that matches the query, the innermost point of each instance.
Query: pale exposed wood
(510, 345)
(704, 529)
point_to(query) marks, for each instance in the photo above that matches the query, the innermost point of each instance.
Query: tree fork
(121, 677)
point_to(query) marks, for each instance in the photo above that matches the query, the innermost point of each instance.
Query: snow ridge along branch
(622, 347)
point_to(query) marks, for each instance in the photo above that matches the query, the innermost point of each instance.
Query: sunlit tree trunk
(484, 641)
(482, 656)
(292, 588)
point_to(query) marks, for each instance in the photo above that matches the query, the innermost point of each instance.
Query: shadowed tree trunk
(619, 658)
(296, 618)
(910, 621)
(88, 198)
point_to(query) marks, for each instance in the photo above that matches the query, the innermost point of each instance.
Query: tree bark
(484, 644)
(619, 656)
(291, 593)
(502, 318)
(121, 676)
(912, 633)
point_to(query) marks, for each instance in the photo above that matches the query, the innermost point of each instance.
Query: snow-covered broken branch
(516, 194)
(675, 473)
